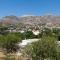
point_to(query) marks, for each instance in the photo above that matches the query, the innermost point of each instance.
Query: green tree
(29, 35)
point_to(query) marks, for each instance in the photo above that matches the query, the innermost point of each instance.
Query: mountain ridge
(55, 20)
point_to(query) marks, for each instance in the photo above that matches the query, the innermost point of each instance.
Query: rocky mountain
(32, 20)
(9, 20)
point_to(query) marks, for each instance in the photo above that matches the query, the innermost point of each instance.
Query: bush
(46, 48)
(9, 42)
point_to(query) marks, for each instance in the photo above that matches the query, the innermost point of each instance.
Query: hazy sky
(29, 7)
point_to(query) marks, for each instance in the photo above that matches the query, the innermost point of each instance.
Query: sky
(29, 7)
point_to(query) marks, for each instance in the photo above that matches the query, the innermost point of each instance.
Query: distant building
(35, 32)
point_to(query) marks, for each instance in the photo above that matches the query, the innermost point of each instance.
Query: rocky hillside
(31, 20)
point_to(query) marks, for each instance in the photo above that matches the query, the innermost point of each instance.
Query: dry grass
(11, 56)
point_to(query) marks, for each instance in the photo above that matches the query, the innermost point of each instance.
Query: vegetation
(30, 35)
(9, 42)
(46, 48)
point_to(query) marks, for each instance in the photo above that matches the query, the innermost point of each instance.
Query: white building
(36, 32)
